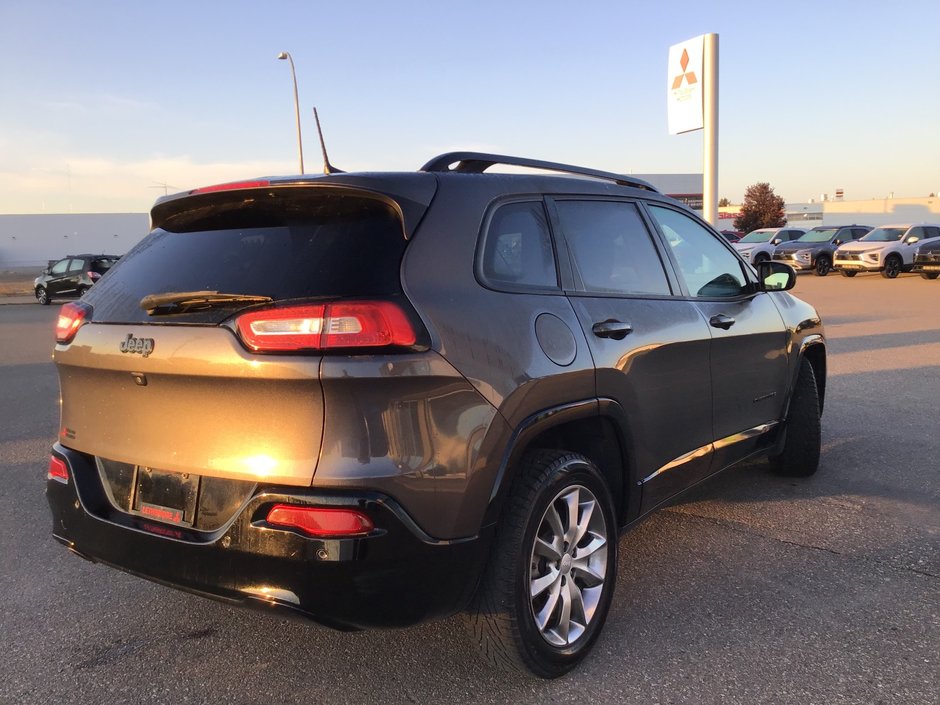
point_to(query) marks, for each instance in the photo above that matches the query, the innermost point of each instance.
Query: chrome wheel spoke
(564, 619)
(541, 584)
(554, 521)
(545, 614)
(572, 503)
(587, 511)
(552, 550)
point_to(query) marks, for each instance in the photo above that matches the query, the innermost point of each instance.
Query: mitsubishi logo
(688, 76)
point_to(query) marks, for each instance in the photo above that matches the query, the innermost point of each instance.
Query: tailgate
(191, 400)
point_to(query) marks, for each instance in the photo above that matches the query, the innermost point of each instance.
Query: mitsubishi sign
(684, 89)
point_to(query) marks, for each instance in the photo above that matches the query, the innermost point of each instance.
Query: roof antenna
(327, 167)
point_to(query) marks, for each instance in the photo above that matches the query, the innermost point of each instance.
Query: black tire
(42, 296)
(82, 290)
(800, 455)
(848, 272)
(503, 616)
(761, 258)
(892, 267)
(930, 275)
(823, 266)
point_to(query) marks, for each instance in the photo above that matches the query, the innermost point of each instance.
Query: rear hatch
(171, 385)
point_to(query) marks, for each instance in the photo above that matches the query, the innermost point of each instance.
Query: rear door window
(284, 244)
(612, 248)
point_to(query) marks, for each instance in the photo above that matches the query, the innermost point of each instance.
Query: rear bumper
(395, 576)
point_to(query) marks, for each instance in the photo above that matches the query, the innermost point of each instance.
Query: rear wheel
(42, 296)
(930, 275)
(82, 290)
(800, 455)
(892, 267)
(848, 272)
(823, 266)
(547, 589)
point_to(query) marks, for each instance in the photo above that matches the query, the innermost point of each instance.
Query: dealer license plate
(166, 496)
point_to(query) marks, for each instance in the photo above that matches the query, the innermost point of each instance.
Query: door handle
(617, 330)
(721, 321)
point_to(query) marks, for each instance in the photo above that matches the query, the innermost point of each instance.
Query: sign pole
(710, 131)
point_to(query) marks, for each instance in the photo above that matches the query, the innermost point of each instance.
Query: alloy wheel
(568, 566)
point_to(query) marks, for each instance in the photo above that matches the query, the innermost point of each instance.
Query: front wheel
(930, 275)
(800, 454)
(42, 296)
(848, 273)
(547, 589)
(761, 258)
(823, 265)
(892, 267)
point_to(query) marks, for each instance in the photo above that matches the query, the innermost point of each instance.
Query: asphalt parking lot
(751, 589)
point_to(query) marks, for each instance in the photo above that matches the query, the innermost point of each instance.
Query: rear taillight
(94, 276)
(321, 521)
(58, 470)
(71, 318)
(352, 324)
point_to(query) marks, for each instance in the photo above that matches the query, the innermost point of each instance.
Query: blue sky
(102, 103)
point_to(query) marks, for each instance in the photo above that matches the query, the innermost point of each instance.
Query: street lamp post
(300, 144)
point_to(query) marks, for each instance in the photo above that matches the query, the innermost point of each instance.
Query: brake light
(94, 276)
(231, 186)
(354, 324)
(321, 521)
(71, 317)
(58, 470)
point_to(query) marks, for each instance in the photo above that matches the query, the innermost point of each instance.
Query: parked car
(373, 399)
(758, 245)
(732, 235)
(927, 260)
(815, 250)
(888, 249)
(71, 277)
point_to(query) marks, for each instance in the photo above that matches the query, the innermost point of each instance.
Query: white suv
(758, 245)
(888, 249)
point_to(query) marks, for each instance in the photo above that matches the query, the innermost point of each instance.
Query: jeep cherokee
(376, 398)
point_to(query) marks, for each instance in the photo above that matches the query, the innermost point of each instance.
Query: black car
(927, 260)
(816, 249)
(71, 277)
(372, 399)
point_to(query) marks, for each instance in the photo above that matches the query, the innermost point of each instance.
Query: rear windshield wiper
(182, 301)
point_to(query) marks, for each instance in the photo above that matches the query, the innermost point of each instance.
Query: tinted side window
(932, 232)
(518, 249)
(708, 268)
(60, 267)
(612, 248)
(858, 232)
(76, 264)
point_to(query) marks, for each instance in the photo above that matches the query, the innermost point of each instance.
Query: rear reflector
(71, 317)
(354, 324)
(231, 186)
(321, 521)
(58, 470)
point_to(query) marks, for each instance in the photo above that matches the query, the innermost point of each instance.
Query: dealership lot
(753, 588)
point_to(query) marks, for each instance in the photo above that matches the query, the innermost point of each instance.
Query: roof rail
(478, 162)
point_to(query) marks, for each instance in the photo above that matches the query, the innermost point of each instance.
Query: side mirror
(837, 241)
(776, 241)
(912, 239)
(775, 276)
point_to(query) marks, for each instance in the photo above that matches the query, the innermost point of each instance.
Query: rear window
(102, 264)
(288, 244)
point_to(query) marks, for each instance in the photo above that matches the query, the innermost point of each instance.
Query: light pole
(300, 144)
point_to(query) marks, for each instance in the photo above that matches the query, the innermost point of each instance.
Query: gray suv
(373, 399)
